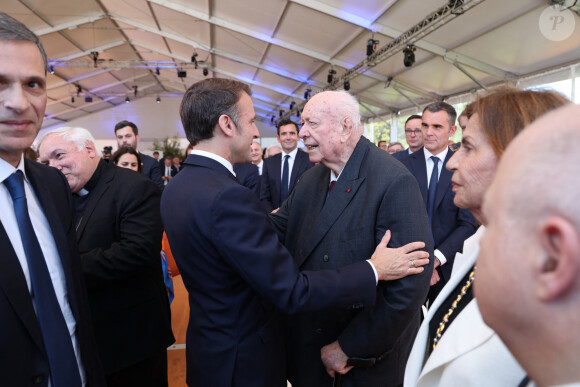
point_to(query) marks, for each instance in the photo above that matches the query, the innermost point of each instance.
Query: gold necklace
(463, 292)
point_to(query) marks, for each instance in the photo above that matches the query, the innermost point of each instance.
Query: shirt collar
(441, 156)
(215, 157)
(292, 154)
(6, 169)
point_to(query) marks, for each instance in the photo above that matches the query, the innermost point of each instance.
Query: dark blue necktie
(432, 188)
(284, 184)
(64, 370)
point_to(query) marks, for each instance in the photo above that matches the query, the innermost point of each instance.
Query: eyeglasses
(416, 131)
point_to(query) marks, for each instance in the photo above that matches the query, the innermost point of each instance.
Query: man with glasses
(413, 135)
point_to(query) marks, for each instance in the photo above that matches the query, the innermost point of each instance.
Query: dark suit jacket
(374, 193)
(451, 225)
(248, 176)
(271, 178)
(22, 353)
(237, 273)
(402, 154)
(151, 169)
(119, 237)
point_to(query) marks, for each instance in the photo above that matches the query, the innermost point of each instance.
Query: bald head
(331, 128)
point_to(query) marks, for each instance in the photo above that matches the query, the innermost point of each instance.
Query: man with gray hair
(45, 330)
(118, 226)
(336, 216)
(532, 238)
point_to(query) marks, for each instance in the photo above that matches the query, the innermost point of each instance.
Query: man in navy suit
(127, 134)
(450, 225)
(272, 194)
(248, 176)
(234, 267)
(27, 355)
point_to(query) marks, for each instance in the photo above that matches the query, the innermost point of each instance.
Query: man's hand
(435, 277)
(392, 264)
(334, 359)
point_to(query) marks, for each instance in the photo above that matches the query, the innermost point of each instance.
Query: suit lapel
(296, 168)
(342, 194)
(444, 180)
(419, 169)
(206, 162)
(107, 174)
(276, 177)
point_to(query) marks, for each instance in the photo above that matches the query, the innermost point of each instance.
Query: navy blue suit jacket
(271, 178)
(451, 225)
(248, 175)
(237, 273)
(23, 359)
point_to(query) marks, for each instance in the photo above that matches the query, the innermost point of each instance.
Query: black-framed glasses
(416, 131)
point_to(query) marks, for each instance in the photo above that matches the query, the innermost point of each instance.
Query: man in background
(119, 231)
(413, 136)
(281, 172)
(256, 156)
(127, 134)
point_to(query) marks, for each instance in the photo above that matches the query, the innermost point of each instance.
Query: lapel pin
(348, 190)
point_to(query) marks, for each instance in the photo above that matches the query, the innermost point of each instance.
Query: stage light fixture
(330, 76)
(79, 90)
(205, 72)
(88, 99)
(307, 93)
(272, 120)
(51, 69)
(281, 113)
(72, 99)
(158, 100)
(127, 100)
(181, 74)
(157, 71)
(346, 85)
(371, 46)
(409, 52)
(292, 105)
(194, 57)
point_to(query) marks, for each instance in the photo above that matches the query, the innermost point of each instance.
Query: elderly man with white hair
(336, 216)
(118, 226)
(533, 240)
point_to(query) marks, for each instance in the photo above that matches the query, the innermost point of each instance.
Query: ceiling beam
(79, 78)
(69, 24)
(447, 55)
(100, 48)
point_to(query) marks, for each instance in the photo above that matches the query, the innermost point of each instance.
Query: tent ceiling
(283, 47)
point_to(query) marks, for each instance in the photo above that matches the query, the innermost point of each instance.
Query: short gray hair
(12, 29)
(78, 136)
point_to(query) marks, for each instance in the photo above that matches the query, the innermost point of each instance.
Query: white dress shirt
(47, 245)
(290, 164)
(215, 157)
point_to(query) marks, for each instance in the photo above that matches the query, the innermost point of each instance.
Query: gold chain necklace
(442, 324)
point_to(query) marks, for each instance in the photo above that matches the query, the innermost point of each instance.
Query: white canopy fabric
(283, 47)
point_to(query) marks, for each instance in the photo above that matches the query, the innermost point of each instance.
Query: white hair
(78, 136)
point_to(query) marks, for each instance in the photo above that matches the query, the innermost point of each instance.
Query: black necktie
(284, 185)
(432, 188)
(64, 370)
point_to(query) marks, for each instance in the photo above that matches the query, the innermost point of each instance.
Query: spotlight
(158, 100)
(79, 89)
(330, 76)
(281, 113)
(205, 72)
(307, 93)
(346, 85)
(409, 52)
(194, 57)
(156, 70)
(371, 46)
(88, 99)
(72, 99)
(272, 120)
(94, 56)
(127, 100)
(292, 105)
(51, 69)
(181, 74)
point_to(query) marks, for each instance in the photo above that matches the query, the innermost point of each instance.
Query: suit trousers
(151, 372)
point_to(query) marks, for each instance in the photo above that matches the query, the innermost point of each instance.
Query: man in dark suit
(234, 267)
(286, 166)
(450, 225)
(127, 134)
(41, 288)
(119, 236)
(335, 216)
(168, 171)
(413, 136)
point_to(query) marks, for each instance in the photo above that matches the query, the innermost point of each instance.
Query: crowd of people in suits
(347, 264)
